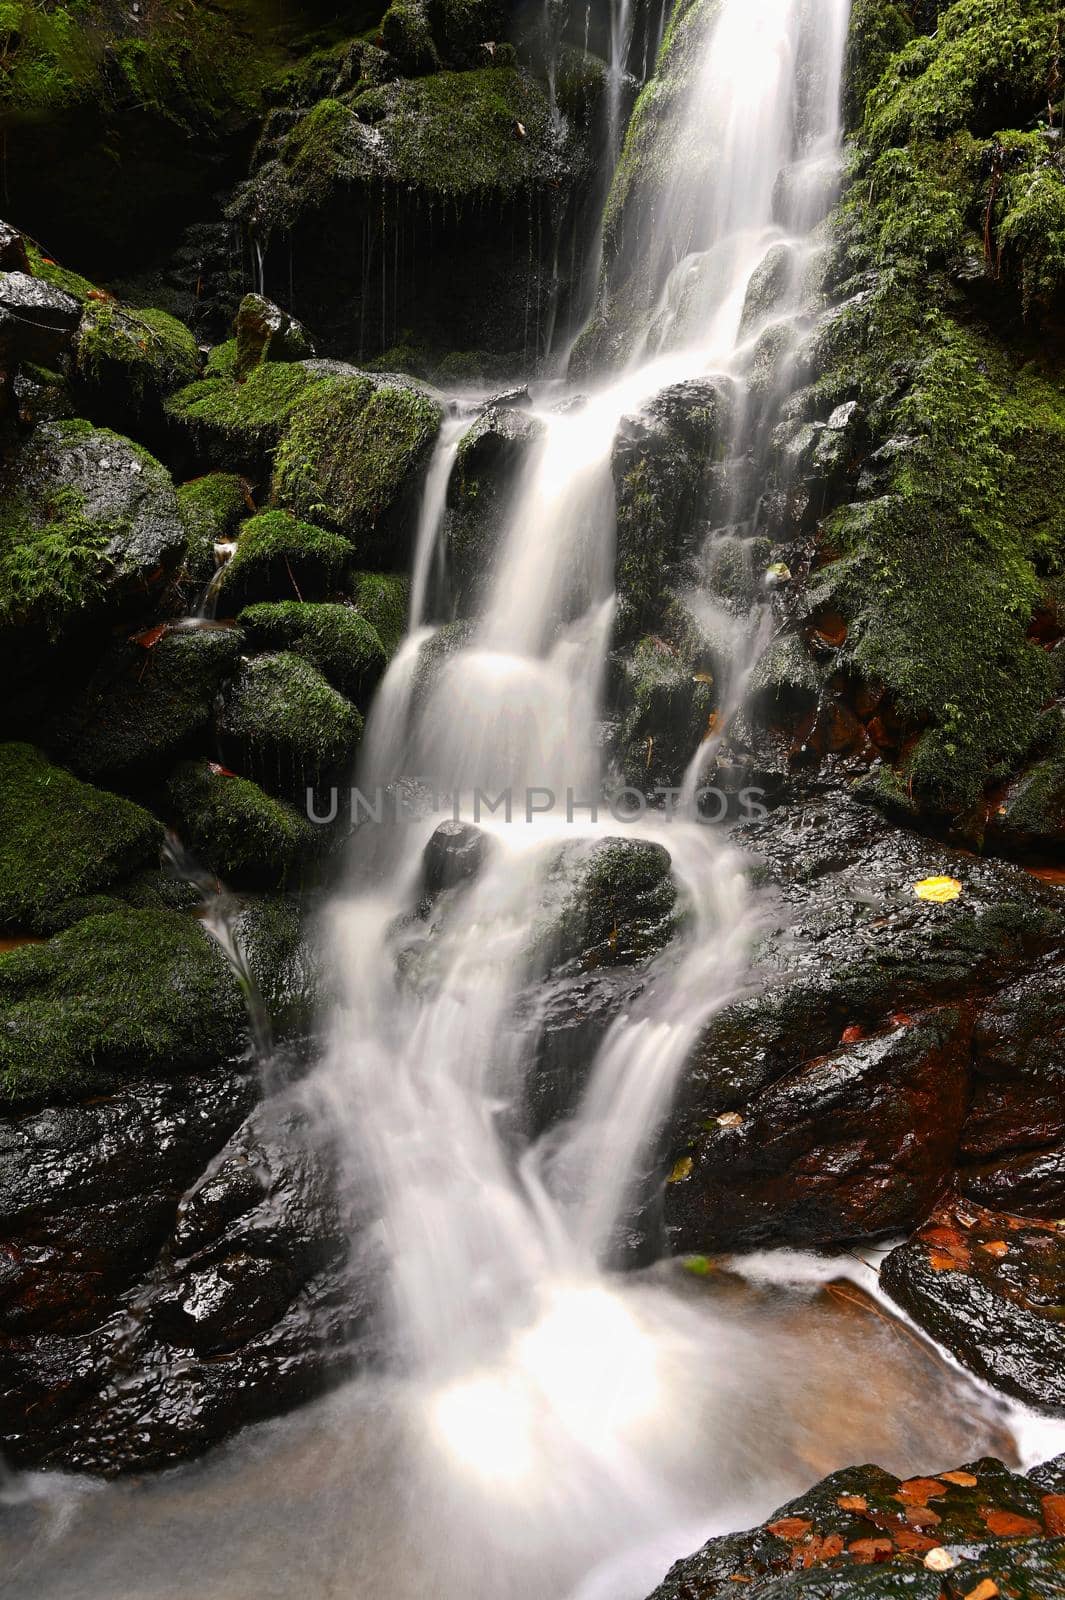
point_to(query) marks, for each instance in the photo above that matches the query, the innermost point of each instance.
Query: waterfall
(548, 1397)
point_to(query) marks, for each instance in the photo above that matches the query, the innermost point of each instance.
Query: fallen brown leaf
(986, 1590)
(964, 1480)
(791, 1527)
(997, 1248)
(1008, 1525)
(866, 1551)
(852, 1502)
(1054, 1514)
(918, 1543)
(922, 1517)
(918, 1491)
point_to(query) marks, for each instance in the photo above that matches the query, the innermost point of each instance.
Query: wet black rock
(213, 1288)
(37, 321)
(979, 1530)
(832, 1101)
(487, 466)
(609, 904)
(989, 1286)
(455, 854)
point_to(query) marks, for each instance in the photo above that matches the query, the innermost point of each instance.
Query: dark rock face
(454, 855)
(490, 457)
(980, 1530)
(989, 1286)
(210, 1289)
(854, 1143)
(840, 1098)
(37, 321)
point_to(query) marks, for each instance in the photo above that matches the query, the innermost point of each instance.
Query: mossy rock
(266, 333)
(285, 726)
(338, 640)
(61, 840)
(617, 905)
(278, 934)
(211, 508)
(146, 703)
(352, 458)
(278, 557)
(127, 994)
(407, 35)
(238, 423)
(487, 464)
(232, 827)
(87, 520)
(666, 699)
(126, 358)
(383, 598)
(448, 134)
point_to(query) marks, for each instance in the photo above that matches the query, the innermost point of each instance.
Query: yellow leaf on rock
(682, 1170)
(939, 890)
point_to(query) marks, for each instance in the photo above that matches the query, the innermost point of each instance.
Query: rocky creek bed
(207, 507)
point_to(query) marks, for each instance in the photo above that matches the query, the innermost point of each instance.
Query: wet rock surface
(213, 1287)
(840, 1098)
(989, 1286)
(979, 1530)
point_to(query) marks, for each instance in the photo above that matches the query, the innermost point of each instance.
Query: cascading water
(552, 1398)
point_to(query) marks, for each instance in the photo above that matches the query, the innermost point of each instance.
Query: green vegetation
(53, 558)
(956, 203)
(382, 598)
(211, 508)
(61, 839)
(146, 352)
(235, 422)
(337, 639)
(130, 992)
(278, 555)
(145, 703)
(234, 828)
(351, 454)
(286, 726)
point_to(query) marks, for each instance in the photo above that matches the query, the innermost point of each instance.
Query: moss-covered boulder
(352, 459)
(88, 523)
(130, 993)
(237, 423)
(61, 840)
(609, 904)
(286, 727)
(279, 936)
(264, 332)
(489, 459)
(211, 507)
(125, 359)
(278, 557)
(150, 699)
(237, 830)
(338, 639)
(383, 599)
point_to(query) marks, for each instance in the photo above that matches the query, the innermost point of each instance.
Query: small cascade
(553, 1397)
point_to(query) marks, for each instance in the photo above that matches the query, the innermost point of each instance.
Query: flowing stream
(547, 1427)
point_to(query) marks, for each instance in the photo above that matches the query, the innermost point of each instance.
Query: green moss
(134, 992)
(53, 558)
(211, 508)
(407, 35)
(200, 66)
(277, 555)
(286, 726)
(878, 29)
(245, 420)
(340, 642)
(278, 937)
(235, 829)
(991, 65)
(60, 839)
(383, 599)
(59, 277)
(145, 352)
(144, 704)
(351, 454)
(451, 133)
